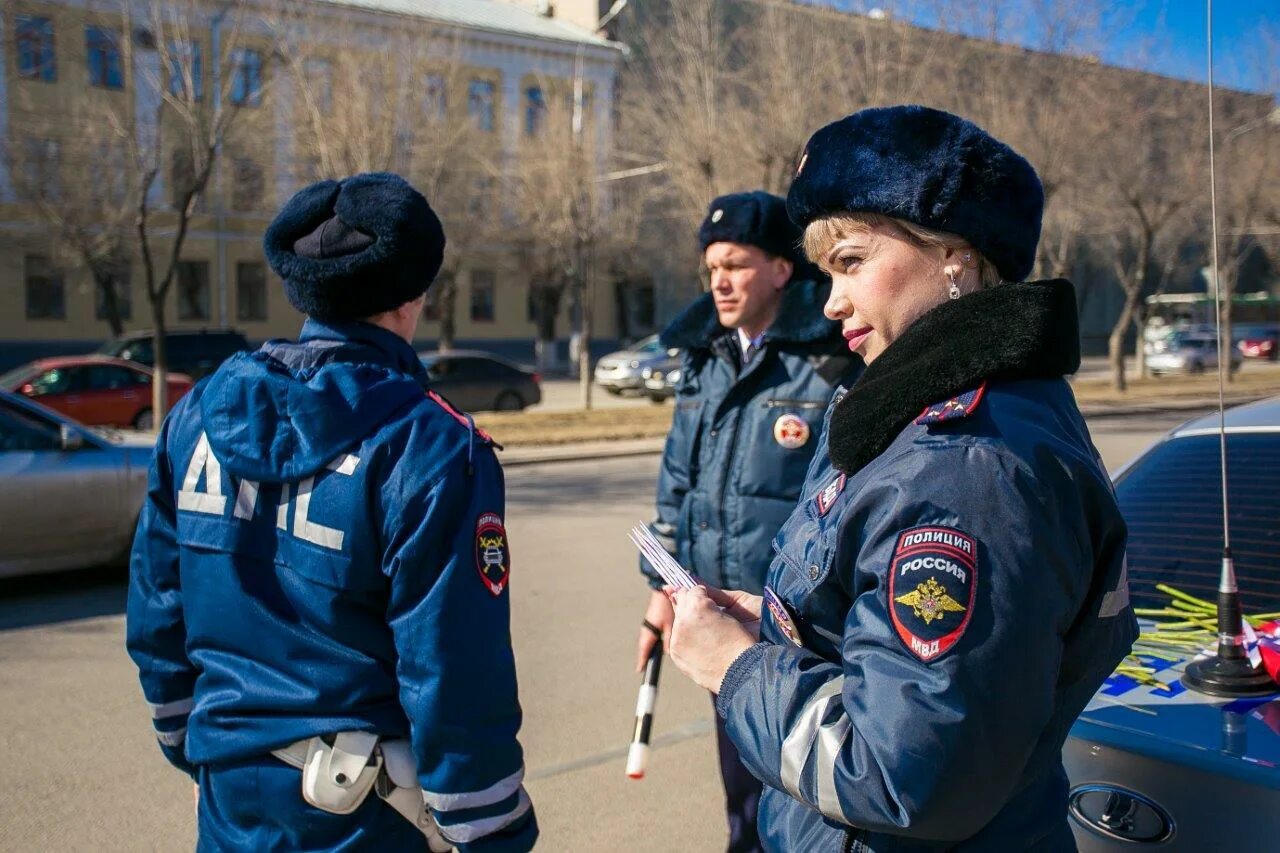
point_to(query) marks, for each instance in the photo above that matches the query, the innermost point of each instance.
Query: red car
(1259, 348)
(93, 389)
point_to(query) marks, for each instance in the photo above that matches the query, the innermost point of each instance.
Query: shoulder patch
(465, 420)
(933, 581)
(959, 406)
(493, 553)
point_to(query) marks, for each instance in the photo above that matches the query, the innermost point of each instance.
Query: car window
(650, 347)
(59, 380)
(109, 377)
(20, 431)
(139, 351)
(1172, 503)
(471, 369)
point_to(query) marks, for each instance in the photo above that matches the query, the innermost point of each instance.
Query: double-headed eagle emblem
(930, 601)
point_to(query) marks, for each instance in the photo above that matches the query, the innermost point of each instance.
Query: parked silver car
(1188, 352)
(69, 495)
(661, 378)
(624, 370)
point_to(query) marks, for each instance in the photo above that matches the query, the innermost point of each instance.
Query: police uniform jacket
(742, 435)
(944, 600)
(322, 550)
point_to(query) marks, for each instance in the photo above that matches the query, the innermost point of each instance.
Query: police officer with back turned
(318, 601)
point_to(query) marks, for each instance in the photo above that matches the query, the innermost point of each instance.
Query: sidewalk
(588, 450)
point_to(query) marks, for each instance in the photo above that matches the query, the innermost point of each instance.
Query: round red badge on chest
(791, 432)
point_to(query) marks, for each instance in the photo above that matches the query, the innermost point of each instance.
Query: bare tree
(174, 132)
(392, 96)
(70, 168)
(1148, 180)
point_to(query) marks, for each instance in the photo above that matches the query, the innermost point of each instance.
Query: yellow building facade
(79, 90)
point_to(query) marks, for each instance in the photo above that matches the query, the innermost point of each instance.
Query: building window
(41, 168)
(36, 60)
(46, 296)
(435, 98)
(122, 278)
(318, 76)
(535, 111)
(247, 185)
(102, 53)
(480, 104)
(246, 78)
(186, 70)
(251, 291)
(482, 283)
(193, 290)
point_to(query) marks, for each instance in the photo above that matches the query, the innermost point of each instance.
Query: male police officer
(318, 582)
(760, 364)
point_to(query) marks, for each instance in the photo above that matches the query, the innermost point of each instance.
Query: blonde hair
(824, 232)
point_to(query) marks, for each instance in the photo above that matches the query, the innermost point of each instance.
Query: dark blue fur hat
(354, 248)
(928, 167)
(755, 219)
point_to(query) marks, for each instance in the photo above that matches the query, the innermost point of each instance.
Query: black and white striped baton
(638, 753)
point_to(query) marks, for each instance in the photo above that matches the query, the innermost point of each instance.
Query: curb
(517, 457)
(1106, 410)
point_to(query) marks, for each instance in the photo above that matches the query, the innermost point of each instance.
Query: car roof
(173, 333)
(1258, 416)
(57, 361)
(436, 355)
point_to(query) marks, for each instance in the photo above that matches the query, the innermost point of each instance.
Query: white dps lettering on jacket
(212, 501)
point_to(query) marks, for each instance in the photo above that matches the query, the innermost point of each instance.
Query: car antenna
(1228, 672)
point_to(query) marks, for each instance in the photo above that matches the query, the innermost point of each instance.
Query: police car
(1154, 765)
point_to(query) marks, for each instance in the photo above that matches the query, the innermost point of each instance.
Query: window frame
(260, 299)
(482, 100)
(103, 58)
(246, 77)
(191, 53)
(35, 31)
(182, 303)
(53, 279)
(483, 281)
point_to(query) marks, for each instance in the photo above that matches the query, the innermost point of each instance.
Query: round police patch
(933, 578)
(493, 555)
(791, 432)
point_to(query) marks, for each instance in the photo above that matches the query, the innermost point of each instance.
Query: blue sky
(1165, 36)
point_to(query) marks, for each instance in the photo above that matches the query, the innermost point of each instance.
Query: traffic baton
(638, 753)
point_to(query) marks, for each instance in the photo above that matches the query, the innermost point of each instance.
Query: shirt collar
(746, 343)
(399, 350)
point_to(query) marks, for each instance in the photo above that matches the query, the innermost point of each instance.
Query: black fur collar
(1011, 331)
(800, 318)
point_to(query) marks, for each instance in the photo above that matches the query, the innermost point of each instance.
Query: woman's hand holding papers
(712, 627)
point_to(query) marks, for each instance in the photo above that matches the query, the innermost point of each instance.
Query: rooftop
(491, 15)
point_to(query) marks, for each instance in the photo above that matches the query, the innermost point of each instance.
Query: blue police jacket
(944, 600)
(321, 550)
(742, 436)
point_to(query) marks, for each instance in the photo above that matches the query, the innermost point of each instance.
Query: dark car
(480, 381)
(196, 354)
(1168, 768)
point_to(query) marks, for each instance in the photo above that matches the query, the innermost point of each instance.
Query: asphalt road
(78, 765)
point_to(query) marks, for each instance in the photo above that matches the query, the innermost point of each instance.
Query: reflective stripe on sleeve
(495, 793)
(173, 738)
(799, 741)
(831, 740)
(172, 709)
(462, 833)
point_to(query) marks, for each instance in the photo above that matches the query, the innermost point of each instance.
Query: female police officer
(951, 589)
